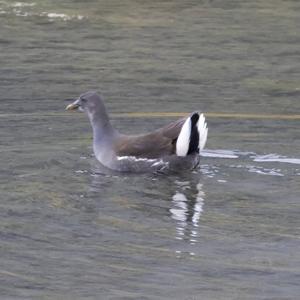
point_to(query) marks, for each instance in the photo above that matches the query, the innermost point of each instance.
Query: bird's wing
(152, 145)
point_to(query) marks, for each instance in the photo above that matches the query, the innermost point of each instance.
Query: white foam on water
(276, 158)
(224, 153)
(64, 17)
(24, 9)
(209, 171)
(23, 4)
(257, 158)
(219, 153)
(22, 14)
(19, 9)
(81, 171)
(222, 180)
(259, 170)
(57, 15)
(263, 171)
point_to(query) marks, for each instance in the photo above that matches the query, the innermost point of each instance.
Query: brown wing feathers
(152, 145)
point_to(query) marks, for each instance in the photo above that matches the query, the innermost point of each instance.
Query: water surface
(228, 230)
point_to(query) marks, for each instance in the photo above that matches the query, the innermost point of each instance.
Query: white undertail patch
(183, 140)
(202, 130)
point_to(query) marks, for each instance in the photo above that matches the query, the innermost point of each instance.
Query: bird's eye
(83, 100)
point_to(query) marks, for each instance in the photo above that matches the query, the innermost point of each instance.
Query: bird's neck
(102, 128)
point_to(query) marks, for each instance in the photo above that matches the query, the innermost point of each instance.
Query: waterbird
(174, 147)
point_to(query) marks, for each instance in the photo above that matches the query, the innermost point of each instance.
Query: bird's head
(87, 102)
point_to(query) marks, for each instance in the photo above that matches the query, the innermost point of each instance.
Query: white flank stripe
(183, 141)
(136, 159)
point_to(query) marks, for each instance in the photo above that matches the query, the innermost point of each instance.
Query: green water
(228, 230)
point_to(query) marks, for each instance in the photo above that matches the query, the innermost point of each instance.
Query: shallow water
(228, 230)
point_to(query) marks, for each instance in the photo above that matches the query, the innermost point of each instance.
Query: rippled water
(228, 230)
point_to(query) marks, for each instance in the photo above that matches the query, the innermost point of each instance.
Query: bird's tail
(193, 135)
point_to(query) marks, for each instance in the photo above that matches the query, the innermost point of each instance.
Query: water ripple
(247, 161)
(276, 158)
(23, 9)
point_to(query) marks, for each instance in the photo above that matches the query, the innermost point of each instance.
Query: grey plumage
(155, 151)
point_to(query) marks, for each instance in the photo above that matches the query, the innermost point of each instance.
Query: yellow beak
(72, 106)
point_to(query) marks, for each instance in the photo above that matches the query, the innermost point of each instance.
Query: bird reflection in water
(184, 209)
(187, 207)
